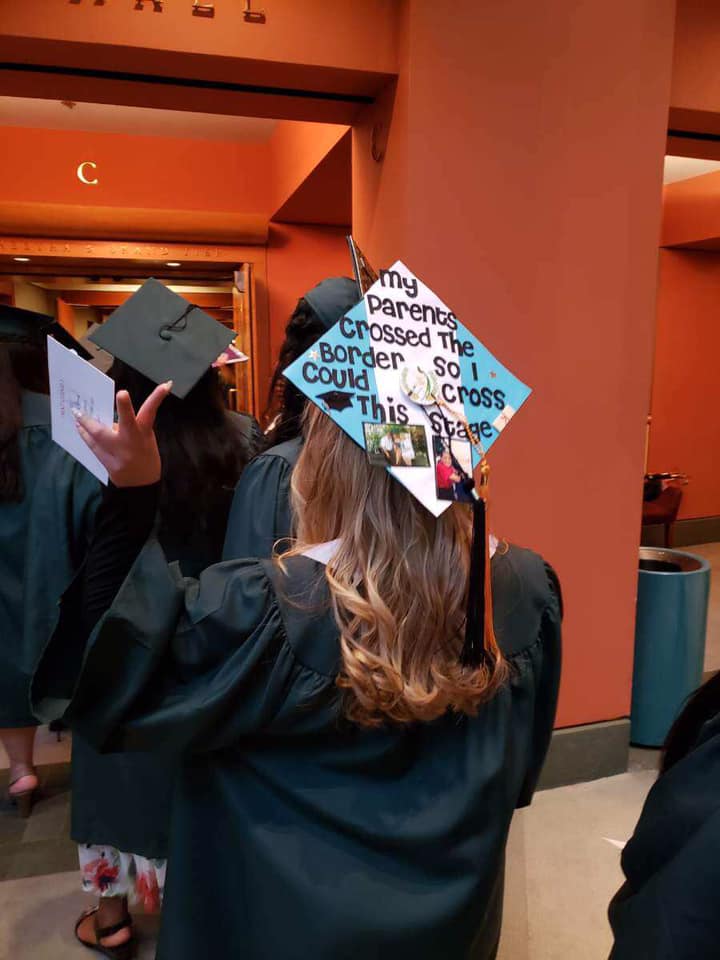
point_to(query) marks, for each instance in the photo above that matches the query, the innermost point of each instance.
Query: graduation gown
(260, 514)
(668, 908)
(124, 800)
(42, 541)
(296, 834)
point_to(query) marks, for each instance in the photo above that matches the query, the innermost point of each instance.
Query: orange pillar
(521, 179)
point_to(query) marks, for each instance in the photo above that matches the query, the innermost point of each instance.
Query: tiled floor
(561, 872)
(561, 868)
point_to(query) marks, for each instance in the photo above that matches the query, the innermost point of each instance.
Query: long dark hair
(285, 402)
(23, 366)
(702, 706)
(202, 453)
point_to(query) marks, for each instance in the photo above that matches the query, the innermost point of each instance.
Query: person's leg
(19, 744)
(106, 875)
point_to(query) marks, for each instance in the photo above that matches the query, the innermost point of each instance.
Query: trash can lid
(660, 560)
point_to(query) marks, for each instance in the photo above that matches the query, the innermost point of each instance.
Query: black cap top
(163, 336)
(333, 298)
(26, 326)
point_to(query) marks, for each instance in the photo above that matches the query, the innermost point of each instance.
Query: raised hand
(128, 450)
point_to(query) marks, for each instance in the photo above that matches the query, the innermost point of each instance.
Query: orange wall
(695, 78)
(296, 149)
(298, 257)
(499, 188)
(691, 210)
(685, 432)
(157, 172)
(311, 32)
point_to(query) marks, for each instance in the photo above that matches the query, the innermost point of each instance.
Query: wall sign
(87, 177)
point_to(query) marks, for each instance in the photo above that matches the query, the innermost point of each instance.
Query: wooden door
(242, 394)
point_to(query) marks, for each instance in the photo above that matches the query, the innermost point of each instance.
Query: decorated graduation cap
(402, 376)
(26, 326)
(163, 336)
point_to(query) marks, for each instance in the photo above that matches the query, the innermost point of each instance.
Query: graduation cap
(336, 400)
(163, 336)
(26, 326)
(401, 356)
(333, 298)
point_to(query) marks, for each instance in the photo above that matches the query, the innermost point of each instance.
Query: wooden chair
(663, 510)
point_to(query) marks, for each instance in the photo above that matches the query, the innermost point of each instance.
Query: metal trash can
(672, 605)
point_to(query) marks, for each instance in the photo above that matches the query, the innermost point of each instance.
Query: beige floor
(711, 552)
(561, 873)
(37, 917)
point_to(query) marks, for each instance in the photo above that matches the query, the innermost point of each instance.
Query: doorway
(81, 282)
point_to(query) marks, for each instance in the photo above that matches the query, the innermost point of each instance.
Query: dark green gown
(260, 513)
(669, 906)
(42, 541)
(124, 800)
(294, 834)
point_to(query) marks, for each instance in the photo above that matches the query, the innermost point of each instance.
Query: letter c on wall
(81, 172)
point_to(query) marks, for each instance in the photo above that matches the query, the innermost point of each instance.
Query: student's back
(341, 796)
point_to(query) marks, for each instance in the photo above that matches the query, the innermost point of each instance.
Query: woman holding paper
(347, 783)
(122, 802)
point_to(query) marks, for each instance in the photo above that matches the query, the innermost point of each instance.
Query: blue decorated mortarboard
(401, 359)
(407, 380)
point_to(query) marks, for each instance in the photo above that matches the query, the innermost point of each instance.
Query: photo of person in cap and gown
(47, 502)
(337, 755)
(121, 802)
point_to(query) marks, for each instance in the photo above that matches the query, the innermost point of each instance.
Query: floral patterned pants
(107, 872)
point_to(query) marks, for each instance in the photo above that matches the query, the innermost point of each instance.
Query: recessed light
(173, 263)
(22, 259)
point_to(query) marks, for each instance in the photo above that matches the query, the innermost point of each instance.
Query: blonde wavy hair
(398, 584)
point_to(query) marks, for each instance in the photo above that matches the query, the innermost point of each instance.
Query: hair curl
(398, 585)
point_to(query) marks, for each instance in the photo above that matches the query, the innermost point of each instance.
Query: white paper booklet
(76, 385)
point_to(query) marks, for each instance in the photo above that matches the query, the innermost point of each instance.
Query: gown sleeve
(64, 505)
(176, 664)
(546, 662)
(260, 513)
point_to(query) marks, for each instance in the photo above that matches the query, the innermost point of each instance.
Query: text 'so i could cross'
(82, 173)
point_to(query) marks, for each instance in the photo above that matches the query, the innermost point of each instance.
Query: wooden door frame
(133, 257)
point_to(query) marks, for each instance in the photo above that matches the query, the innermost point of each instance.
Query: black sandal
(123, 951)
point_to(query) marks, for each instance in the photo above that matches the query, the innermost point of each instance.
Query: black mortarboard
(26, 326)
(333, 298)
(336, 399)
(163, 336)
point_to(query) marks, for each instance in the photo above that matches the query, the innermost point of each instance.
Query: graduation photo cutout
(396, 445)
(400, 357)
